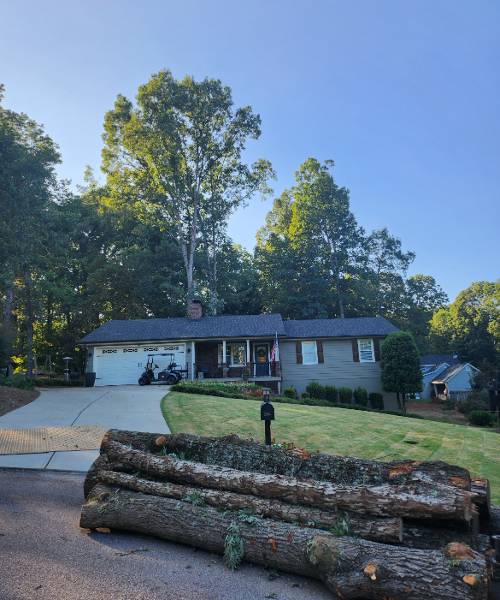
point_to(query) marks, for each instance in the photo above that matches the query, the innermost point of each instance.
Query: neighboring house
(340, 352)
(444, 375)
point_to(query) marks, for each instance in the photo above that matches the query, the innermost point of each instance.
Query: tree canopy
(155, 233)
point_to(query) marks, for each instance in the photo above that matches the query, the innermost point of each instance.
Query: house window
(236, 354)
(309, 353)
(366, 351)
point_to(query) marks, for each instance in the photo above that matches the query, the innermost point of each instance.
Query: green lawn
(342, 431)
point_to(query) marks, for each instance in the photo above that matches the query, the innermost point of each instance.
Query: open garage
(118, 365)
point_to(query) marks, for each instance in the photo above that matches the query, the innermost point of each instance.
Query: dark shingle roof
(354, 327)
(235, 326)
(439, 359)
(449, 373)
(229, 326)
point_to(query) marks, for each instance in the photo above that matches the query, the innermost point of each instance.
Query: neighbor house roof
(439, 359)
(354, 327)
(235, 326)
(452, 372)
(223, 326)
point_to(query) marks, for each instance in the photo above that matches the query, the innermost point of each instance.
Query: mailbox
(266, 411)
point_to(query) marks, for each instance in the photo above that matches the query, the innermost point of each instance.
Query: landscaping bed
(12, 398)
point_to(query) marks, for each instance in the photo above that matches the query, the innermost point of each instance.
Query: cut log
(381, 529)
(247, 455)
(350, 567)
(481, 487)
(414, 500)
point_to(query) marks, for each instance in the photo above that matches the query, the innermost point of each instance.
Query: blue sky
(404, 96)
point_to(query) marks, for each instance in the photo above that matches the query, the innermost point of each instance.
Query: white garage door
(119, 365)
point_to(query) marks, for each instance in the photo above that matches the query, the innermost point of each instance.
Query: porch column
(249, 360)
(224, 359)
(193, 360)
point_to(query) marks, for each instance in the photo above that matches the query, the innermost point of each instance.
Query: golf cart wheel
(171, 379)
(143, 381)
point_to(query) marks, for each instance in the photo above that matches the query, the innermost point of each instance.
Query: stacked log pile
(367, 529)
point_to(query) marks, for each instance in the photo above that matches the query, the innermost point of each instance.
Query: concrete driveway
(122, 407)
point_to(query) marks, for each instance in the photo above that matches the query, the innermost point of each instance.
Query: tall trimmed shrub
(376, 401)
(315, 390)
(361, 396)
(400, 363)
(345, 395)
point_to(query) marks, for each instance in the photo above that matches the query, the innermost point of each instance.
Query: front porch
(234, 360)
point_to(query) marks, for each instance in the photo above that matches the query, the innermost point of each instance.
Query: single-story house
(445, 376)
(340, 352)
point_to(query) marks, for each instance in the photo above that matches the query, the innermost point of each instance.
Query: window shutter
(298, 352)
(376, 346)
(319, 348)
(355, 351)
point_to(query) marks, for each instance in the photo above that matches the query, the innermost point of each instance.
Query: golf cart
(168, 376)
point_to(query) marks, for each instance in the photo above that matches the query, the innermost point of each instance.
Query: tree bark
(247, 455)
(382, 529)
(481, 487)
(415, 500)
(350, 567)
(8, 329)
(29, 321)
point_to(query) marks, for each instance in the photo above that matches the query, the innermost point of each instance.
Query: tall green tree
(27, 186)
(470, 325)
(400, 363)
(323, 222)
(423, 297)
(178, 152)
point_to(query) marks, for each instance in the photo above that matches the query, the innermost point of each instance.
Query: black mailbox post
(267, 415)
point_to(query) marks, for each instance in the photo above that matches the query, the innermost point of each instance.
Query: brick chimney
(194, 309)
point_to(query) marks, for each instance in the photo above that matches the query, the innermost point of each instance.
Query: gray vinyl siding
(339, 368)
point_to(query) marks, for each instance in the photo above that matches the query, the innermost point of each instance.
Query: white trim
(361, 360)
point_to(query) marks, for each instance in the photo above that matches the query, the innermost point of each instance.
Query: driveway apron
(121, 407)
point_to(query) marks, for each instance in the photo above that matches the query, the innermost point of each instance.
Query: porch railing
(249, 371)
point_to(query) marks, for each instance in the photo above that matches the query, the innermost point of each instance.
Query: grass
(341, 431)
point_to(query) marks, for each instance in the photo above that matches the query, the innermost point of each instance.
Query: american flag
(275, 349)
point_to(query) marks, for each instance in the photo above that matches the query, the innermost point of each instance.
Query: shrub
(345, 395)
(315, 390)
(290, 392)
(475, 401)
(19, 381)
(376, 401)
(482, 418)
(361, 396)
(331, 394)
(305, 396)
(223, 390)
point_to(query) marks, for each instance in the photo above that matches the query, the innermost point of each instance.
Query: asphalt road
(45, 556)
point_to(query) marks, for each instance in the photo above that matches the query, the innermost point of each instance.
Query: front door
(261, 352)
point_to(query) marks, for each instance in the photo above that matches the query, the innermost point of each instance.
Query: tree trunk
(8, 329)
(247, 455)
(350, 567)
(418, 500)
(29, 321)
(388, 529)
